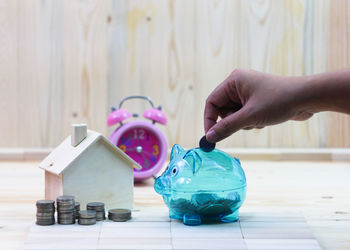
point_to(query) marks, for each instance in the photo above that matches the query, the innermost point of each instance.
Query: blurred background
(64, 62)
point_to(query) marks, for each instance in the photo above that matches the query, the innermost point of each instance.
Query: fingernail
(211, 135)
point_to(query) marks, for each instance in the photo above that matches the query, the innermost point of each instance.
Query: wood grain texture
(9, 103)
(39, 92)
(64, 62)
(320, 195)
(85, 64)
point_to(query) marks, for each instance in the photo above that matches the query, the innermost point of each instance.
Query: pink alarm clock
(141, 140)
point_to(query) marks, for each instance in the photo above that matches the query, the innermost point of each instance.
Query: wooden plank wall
(70, 61)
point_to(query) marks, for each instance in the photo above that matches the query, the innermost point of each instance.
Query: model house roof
(73, 147)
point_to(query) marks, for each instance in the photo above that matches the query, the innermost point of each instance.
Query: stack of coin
(99, 207)
(119, 214)
(65, 209)
(77, 209)
(45, 212)
(87, 217)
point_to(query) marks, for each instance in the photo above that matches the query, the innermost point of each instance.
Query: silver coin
(118, 219)
(87, 214)
(98, 206)
(66, 218)
(83, 221)
(119, 211)
(65, 211)
(66, 222)
(66, 202)
(45, 223)
(45, 203)
(100, 216)
(65, 205)
(63, 198)
(76, 210)
(51, 211)
(45, 214)
(46, 219)
(119, 214)
(46, 207)
(63, 216)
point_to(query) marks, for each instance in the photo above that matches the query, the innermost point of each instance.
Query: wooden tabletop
(320, 191)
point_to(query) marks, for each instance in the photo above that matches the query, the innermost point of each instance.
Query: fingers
(215, 103)
(211, 113)
(225, 102)
(228, 126)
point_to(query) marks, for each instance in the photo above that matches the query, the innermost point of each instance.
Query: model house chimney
(78, 134)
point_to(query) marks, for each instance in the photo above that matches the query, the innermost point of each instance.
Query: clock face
(142, 145)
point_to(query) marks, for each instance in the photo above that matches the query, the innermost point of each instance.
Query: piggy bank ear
(176, 150)
(194, 160)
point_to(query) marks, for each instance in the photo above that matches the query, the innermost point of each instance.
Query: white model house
(88, 166)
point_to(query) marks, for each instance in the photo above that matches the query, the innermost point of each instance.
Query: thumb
(228, 125)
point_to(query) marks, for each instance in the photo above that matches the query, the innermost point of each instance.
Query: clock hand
(145, 160)
(148, 154)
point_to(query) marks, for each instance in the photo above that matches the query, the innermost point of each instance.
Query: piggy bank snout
(161, 184)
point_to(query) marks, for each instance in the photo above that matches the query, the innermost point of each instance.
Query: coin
(66, 221)
(203, 198)
(83, 221)
(65, 215)
(99, 207)
(213, 210)
(45, 223)
(65, 209)
(119, 214)
(87, 214)
(45, 203)
(100, 216)
(77, 209)
(205, 145)
(65, 198)
(45, 212)
(182, 206)
(49, 209)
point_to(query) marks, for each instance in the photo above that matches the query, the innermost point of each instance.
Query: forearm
(325, 92)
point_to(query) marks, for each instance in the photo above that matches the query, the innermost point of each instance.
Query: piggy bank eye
(174, 171)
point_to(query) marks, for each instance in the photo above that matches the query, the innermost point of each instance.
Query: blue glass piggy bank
(199, 186)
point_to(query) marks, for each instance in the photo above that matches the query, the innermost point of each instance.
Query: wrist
(312, 94)
(300, 94)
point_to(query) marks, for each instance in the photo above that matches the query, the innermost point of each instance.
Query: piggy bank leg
(174, 215)
(231, 217)
(192, 219)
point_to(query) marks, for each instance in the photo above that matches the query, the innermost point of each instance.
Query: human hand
(249, 99)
